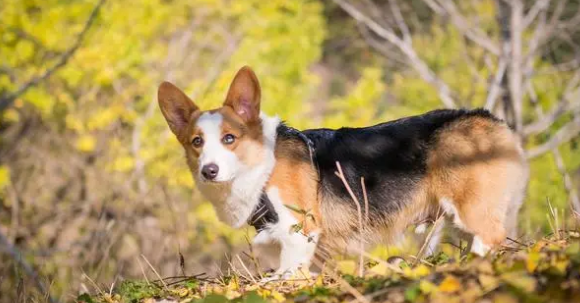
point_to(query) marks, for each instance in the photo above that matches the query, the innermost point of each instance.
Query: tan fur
(249, 144)
(476, 163)
(341, 223)
(297, 183)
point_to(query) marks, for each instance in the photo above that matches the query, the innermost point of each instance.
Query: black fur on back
(390, 156)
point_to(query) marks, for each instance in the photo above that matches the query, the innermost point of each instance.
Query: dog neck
(235, 200)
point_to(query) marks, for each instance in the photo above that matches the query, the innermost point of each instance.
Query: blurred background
(92, 180)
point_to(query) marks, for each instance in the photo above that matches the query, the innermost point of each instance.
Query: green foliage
(358, 108)
(134, 291)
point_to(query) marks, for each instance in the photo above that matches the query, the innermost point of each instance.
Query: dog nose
(210, 171)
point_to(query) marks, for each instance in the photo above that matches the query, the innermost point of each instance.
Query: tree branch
(543, 30)
(496, 84)
(568, 184)
(548, 119)
(413, 59)
(563, 135)
(7, 101)
(380, 45)
(400, 21)
(463, 26)
(534, 11)
(516, 61)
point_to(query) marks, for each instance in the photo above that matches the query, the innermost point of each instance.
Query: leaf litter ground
(547, 270)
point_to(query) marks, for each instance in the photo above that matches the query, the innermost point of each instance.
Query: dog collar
(263, 214)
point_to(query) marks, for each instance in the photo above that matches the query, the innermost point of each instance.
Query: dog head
(219, 143)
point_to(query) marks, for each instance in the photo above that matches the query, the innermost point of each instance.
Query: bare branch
(534, 11)
(496, 84)
(548, 119)
(534, 43)
(434, 6)
(463, 26)
(544, 31)
(571, 23)
(7, 101)
(400, 21)
(575, 201)
(379, 45)
(413, 59)
(516, 60)
(563, 135)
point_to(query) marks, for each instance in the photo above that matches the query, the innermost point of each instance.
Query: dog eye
(197, 141)
(228, 139)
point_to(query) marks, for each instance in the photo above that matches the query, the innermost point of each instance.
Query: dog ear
(244, 95)
(176, 107)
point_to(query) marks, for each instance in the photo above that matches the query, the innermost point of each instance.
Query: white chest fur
(235, 200)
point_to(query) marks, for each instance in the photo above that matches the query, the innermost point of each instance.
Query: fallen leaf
(380, 269)
(488, 282)
(347, 266)
(427, 287)
(532, 261)
(450, 284)
(520, 280)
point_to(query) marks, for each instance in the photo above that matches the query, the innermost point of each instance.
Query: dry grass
(535, 272)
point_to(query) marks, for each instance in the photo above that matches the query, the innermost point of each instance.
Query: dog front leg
(297, 251)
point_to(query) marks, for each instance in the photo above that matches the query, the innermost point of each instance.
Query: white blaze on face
(214, 151)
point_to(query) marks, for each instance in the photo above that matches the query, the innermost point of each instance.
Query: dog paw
(272, 278)
(289, 274)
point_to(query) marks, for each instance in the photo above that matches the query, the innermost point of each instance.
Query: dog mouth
(213, 181)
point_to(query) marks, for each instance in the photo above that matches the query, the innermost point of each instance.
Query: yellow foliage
(4, 177)
(86, 143)
(347, 266)
(450, 284)
(357, 108)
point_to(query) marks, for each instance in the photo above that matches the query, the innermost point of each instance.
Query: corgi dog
(299, 188)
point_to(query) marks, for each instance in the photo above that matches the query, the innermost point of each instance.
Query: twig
(17, 256)
(234, 269)
(413, 59)
(143, 271)
(360, 219)
(401, 21)
(419, 259)
(155, 271)
(387, 264)
(496, 84)
(246, 269)
(113, 285)
(554, 225)
(429, 235)
(252, 256)
(462, 25)
(94, 284)
(358, 296)
(364, 189)
(543, 123)
(196, 276)
(517, 242)
(533, 12)
(9, 99)
(563, 135)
